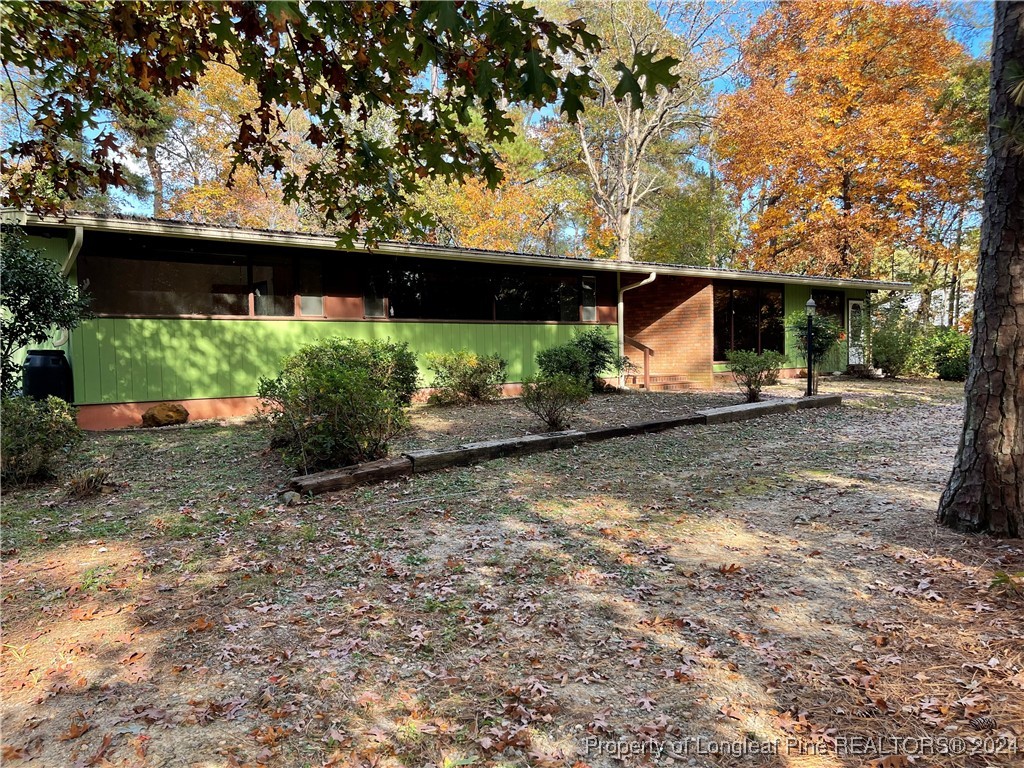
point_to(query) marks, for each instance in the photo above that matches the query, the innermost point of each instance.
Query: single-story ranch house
(197, 314)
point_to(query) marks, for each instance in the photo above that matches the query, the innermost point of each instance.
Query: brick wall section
(673, 316)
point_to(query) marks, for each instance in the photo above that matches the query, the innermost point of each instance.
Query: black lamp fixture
(810, 307)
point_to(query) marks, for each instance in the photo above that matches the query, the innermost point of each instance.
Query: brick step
(661, 383)
(662, 378)
(670, 386)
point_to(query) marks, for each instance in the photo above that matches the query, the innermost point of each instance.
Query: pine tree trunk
(986, 490)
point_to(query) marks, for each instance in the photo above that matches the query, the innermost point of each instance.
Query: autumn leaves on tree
(847, 141)
(852, 144)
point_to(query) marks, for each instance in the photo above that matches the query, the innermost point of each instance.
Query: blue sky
(970, 22)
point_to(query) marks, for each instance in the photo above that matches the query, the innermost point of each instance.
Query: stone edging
(417, 462)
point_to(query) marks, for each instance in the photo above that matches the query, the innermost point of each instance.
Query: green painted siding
(117, 360)
(796, 297)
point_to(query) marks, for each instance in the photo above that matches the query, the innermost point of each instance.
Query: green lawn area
(778, 580)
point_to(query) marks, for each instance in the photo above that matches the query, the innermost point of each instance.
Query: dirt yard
(775, 588)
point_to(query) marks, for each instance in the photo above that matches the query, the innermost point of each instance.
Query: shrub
(892, 343)
(463, 376)
(334, 404)
(564, 360)
(951, 351)
(36, 434)
(554, 399)
(587, 356)
(921, 359)
(754, 372)
(392, 365)
(827, 334)
(36, 298)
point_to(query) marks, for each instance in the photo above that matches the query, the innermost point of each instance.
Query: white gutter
(621, 318)
(76, 246)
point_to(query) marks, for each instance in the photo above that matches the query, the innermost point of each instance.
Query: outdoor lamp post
(810, 306)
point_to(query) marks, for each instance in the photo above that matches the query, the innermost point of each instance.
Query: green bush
(951, 351)
(564, 360)
(754, 372)
(588, 356)
(36, 299)
(36, 435)
(892, 343)
(391, 365)
(337, 403)
(921, 359)
(554, 399)
(463, 376)
(827, 333)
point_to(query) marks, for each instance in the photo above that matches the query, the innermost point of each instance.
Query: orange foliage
(199, 148)
(836, 135)
(511, 217)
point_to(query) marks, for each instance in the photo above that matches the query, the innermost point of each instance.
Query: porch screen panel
(772, 324)
(121, 286)
(273, 287)
(745, 318)
(830, 304)
(311, 287)
(588, 299)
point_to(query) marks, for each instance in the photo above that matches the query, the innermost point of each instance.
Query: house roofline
(188, 230)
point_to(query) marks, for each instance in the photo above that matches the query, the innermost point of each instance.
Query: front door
(857, 323)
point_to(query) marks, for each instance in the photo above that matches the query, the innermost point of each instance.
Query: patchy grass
(775, 581)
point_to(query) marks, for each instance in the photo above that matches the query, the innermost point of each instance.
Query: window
(273, 287)
(830, 304)
(748, 316)
(373, 296)
(184, 286)
(311, 288)
(427, 289)
(589, 299)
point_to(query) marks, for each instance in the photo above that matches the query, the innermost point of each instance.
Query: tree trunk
(156, 173)
(623, 235)
(986, 489)
(924, 309)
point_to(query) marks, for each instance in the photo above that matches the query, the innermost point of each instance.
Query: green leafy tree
(345, 65)
(695, 224)
(647, 111)
(35, 299)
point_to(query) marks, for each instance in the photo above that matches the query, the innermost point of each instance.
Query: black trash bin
(47, 372)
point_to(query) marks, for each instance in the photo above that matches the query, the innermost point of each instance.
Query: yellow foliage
(836, 135)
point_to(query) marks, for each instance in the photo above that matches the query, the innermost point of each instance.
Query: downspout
(63, 335)
(76, 246)
(621, 308)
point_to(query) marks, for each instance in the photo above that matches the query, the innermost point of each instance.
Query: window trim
(583, 306)
(732, 286)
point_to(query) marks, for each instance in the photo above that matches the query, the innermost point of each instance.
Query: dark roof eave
(188, 230)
